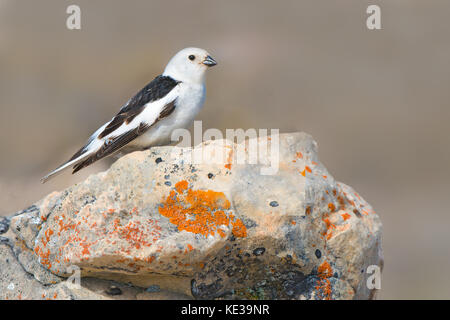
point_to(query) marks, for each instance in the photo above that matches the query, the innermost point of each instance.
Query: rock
(204, 231)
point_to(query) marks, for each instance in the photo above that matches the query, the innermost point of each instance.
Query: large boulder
(204, 230)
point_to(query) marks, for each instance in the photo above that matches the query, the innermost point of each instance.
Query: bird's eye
(191, 57)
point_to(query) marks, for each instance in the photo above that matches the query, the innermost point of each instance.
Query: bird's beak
(209, 61)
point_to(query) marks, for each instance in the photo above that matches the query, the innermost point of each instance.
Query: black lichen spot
(153, 288)
(259, 251)
(114, 291)
(5, 240)
(158, 160)
(248, 223)
(168, 183)
(4, 225)
(88, 199)
(230, 271)
(318, 253)
(274, 204)
(207, 291)
(210, 175)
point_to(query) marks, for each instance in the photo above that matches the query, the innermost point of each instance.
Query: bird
(170, 101)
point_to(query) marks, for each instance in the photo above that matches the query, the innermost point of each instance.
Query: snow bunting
(170, 101)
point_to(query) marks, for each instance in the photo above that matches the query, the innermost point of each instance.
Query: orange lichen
(325, 270)
(327, 223)
(43, 257)
(341, 201)
(132, 235)
(329, 227)
(323, 284)
(308, 210)
(221, 233)
(85, 248)
(308, 169)
(346, 216)
(229, 160)
(332, 207)
(199, 211)
(181, 186)
(239, 229)
(48, 233)
(299, 155)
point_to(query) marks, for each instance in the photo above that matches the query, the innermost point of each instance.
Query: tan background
(377, 102)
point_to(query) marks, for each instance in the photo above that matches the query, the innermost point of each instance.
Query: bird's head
(189, 65)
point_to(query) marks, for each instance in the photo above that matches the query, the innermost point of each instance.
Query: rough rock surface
(213, 230)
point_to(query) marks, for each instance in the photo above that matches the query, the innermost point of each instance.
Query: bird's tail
(71, 162)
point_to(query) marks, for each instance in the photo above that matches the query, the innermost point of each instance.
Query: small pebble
(318, 253)
(210, 175)
(4, 226)
(114, 291)
(259, 251)
(168, 183)
(158, 160)
(153, 288)
(274, 204)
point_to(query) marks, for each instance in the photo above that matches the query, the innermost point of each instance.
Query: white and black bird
(170, 101)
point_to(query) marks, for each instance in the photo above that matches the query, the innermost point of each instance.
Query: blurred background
(377, 102)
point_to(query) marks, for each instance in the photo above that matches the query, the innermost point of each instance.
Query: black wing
(155, 90)
(116, 143)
